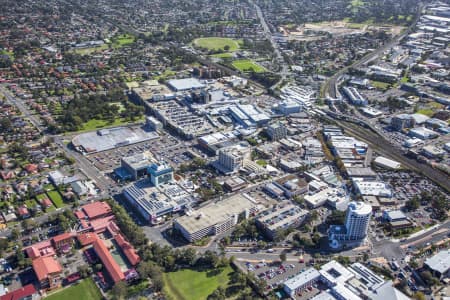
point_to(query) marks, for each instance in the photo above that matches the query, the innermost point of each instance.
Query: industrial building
(215, 218)
(354, 96)
(422, 133)
(387, 163)
(356, 225)
(277, 219)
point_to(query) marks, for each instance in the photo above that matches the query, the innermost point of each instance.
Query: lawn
(426, 111)
(194, 285)
(124, 39)
(380, 85)
(85, 289)
(56, 198)
(97, 124)
(246, 65)
(222, 55)
(216, 43)
(30, 203)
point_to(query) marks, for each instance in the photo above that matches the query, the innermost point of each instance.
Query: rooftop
(185, 84)
(215, 213)
(301, 278)
(108, 261)
(96, 209)
(439, 262)
(44, 266)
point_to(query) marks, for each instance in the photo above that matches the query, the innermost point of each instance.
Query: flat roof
(302, 278)
(215, 213)
(139, 161)
(185, 84)
(335, 272)
(106, 139)
(281, 217)
(439, 262)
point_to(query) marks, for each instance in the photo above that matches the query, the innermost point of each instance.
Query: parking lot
(166, 147)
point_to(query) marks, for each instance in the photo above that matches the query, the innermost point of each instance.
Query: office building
(160, 173)
(356, 225)
(134, 167)
(402, 121)
(276, 131)
(215, 218)
(280, 218)
(231, 159)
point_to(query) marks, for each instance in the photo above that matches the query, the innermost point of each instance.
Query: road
(280, 59)
(331, 84)
(23, 109)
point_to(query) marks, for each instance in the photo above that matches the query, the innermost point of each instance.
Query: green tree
(119, 290)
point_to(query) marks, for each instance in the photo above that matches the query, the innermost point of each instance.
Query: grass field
(85, 289)
(97, 124)
(426, 111)
(246, 65)
(56, 198)
(223, 55)
(380, 85)
(216, 43)
(122, 40)
(30, 203)
(194, 285)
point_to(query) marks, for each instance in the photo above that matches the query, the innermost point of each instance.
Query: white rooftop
(301, 279)
(439, 262)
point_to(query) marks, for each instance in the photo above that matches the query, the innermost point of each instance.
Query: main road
(330, 86)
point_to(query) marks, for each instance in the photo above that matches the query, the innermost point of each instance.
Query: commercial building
(301, 281)
(292, 185)
(153, 203)
(234, 184)
(277, 219)
(248, 115)
(215, 218)
(397, 219)
(402, 121)
(288, 107)
(439, 264)
(276, 131)
(185, 84)
(106, 139)
(153, 123)
(371, 188)
(333, 196)
(95, 210)
(216, 141)
(356, 225)
(160, 173)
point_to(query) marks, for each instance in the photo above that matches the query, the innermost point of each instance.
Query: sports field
(194, 285)
(85, 289)
(246, 65)
(216, 43)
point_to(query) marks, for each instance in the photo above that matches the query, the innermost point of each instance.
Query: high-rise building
(357, 220)
(231, 159)
(276, 131)
(356, 225)
(160, 173)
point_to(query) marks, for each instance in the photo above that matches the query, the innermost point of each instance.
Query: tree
(419, 296)
(28, 224)
(218, 294)
(413, 203)
(283, 257)
(119, 290)
(226, 47)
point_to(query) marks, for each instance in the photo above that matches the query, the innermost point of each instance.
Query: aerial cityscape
(224, 149)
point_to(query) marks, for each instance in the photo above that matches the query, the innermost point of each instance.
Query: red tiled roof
(43, 266)
(46, 202)
(128, 250)
(32, 252)
(62, 237)
(99, 225)
(79, 214)
(108, 261)
(31, 168)
(96, 209)
(19, 294)
(87, 238)
(23, 211)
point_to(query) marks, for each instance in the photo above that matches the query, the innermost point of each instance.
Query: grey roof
(439, 262)
(387, 291)
(185, 84)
